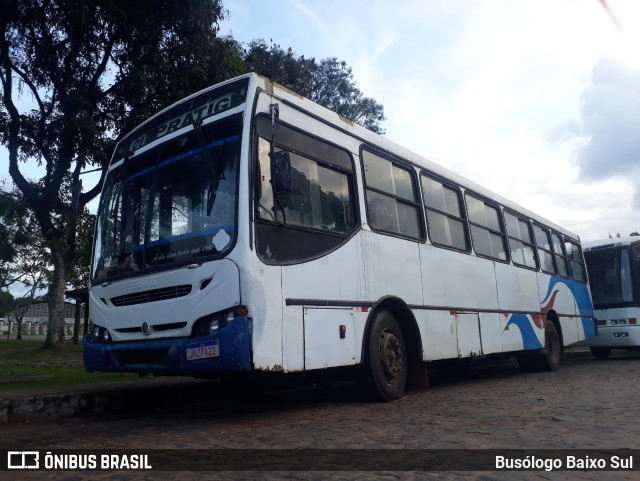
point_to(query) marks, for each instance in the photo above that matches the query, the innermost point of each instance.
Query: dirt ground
(586, 405)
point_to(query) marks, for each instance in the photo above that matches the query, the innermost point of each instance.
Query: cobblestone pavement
(587, 404)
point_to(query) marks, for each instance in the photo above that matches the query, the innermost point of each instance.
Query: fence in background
(34, 328)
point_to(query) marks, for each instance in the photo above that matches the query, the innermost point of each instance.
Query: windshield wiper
(216, 177)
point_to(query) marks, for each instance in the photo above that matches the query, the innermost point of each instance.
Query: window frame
(549, 251)
(462, 207)
(582, 262)
(532, 238)
(292, 146)
(407, 167)
(560, 255)
(501, 223)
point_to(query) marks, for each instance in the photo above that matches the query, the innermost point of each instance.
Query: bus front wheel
(385, 358)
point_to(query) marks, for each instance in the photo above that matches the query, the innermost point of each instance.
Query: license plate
(203, 350)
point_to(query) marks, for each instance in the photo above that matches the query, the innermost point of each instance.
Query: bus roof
(611, 242)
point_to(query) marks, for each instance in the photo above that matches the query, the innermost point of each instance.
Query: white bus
(614, 272)
(247, 229)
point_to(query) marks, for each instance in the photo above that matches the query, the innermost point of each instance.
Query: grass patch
(23, 363)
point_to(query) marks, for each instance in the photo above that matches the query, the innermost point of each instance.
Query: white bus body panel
(301, 282)
(517, 288)
(222, 292)
(392, 268)
(457, 281)
(323, 345)
(262, 294)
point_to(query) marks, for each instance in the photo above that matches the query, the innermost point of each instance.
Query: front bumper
(615, 337)
(169, 356)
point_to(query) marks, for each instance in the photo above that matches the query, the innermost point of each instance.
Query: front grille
(130, 329)
(155, 327)
(146, 356)
(151, 296)
(166, 327)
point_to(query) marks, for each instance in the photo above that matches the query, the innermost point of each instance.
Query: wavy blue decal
(582, 299)
(580, 292)
(529, 338)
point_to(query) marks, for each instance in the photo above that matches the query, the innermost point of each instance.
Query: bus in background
(614, 273)
(246, 230)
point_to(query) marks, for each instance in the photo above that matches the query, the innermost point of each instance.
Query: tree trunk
(55, 334)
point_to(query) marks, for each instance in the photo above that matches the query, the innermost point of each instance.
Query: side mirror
(281, 172)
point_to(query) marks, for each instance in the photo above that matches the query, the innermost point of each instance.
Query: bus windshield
(610, 275)
(172, 204)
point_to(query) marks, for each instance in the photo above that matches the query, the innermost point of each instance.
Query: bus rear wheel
(551, 355)
(546, 359)
(385, 359)
(601, 352)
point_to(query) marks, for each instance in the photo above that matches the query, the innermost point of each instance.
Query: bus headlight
(214, 324)
(99, 333)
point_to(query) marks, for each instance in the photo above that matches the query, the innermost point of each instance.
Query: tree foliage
(13, 228)
(77, 74)
(328, 82)
(24, 259)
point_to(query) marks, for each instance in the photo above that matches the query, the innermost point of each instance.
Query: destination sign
(207, 104)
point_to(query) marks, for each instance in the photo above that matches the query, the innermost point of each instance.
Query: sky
(537, 101)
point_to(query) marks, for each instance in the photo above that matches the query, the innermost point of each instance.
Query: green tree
(6, 302)
(77, 74)
(78, 277)
(24, 259)
(328, 82)
(15, 234)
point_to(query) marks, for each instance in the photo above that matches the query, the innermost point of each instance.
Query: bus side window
(520, 241)
(543, 242)
(574, 253)
(445, 215)
(487, 231)
(392, 202)
(559, 254)
(319, 197)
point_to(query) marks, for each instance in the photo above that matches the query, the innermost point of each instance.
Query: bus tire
(601, 352)
(385, 358)
(550, 356)
(527, 360)
(546, 359)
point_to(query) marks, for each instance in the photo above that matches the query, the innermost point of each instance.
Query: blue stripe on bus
(529, 338)
(582, 299)
(580, 293)
(212, 230)
(217, 143)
